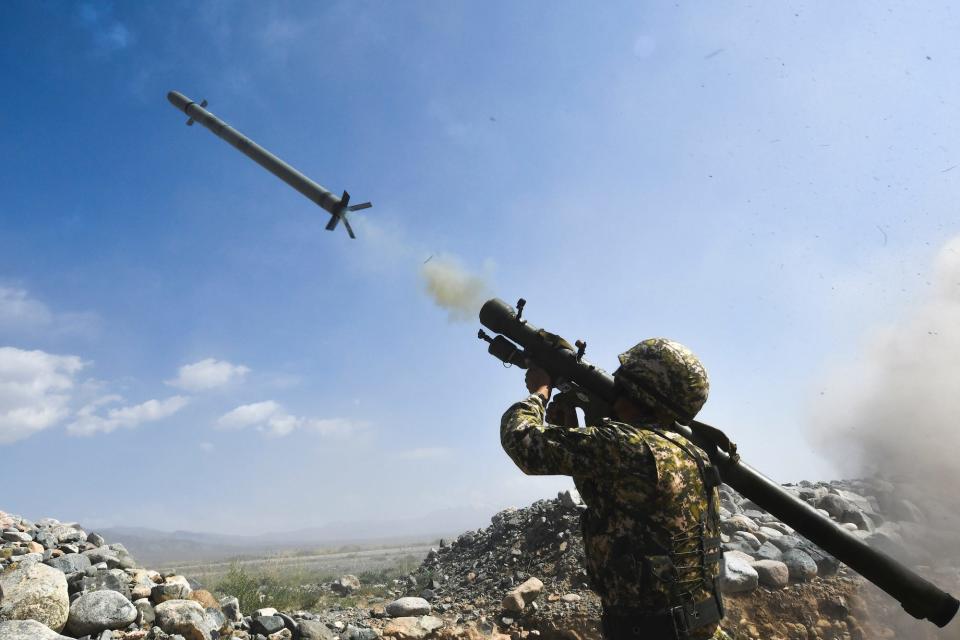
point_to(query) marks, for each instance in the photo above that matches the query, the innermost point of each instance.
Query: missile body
(337, 206)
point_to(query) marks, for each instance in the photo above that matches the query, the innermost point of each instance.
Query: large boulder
(27, 630)
(98, 611)
(184, 617)
(35, 592)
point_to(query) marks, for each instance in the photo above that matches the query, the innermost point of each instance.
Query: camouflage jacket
(644, 494)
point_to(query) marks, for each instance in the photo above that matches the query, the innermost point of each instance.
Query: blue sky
(184, 346)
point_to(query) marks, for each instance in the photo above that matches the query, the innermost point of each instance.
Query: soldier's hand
(562, 412)
(538, 381)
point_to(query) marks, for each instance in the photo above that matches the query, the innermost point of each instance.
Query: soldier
(651, 528)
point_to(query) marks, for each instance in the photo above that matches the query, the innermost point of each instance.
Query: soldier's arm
(539, 448)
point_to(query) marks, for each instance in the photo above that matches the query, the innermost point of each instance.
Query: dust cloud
(895, 415)
(454, 288)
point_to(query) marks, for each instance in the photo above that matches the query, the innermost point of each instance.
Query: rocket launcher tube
(919, 597)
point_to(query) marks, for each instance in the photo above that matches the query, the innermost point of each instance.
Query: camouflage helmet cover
(664, 373)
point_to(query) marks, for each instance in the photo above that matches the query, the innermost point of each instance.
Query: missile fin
(346, 223)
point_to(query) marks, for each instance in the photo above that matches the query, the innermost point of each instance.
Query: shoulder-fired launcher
(520, 343)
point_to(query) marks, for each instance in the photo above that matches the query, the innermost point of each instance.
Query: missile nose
(178, 100)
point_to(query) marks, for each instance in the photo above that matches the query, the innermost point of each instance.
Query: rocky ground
(520, 577)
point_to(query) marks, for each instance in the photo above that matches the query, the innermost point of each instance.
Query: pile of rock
(58, 581)
(762, 551)
(523, 575)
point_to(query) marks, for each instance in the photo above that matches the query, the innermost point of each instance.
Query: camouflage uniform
(648, 515)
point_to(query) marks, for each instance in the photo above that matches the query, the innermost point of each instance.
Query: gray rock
(353, 632)
(104, 554)
(48, 540)
(740, 546)
(96, 539)
(313, 630)
(768, 551)
(27, 630)
(69, 563)
(802, 567)
(35, 592)
(146, 614)
(16, 536)
(266, 624)
(231, 608)
(785, 542)
(184, 617)
(288, 622)
(834, 505)
(405, 607)
(858, 501)
(736, 575)
(738, 523)
(109, 580)
(827, 565)
(858, 518)
(772, 573)
(99, 610)
(770, 532)
(747, 537)
(755, 515)
(169, 591)
(345, 585)
(216, 621)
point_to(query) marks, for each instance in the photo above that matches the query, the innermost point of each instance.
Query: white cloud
(88, 422)
(34, 391)
(20, 312)
(248, 415)
(270, 418)
(208, 374)
(206, 447)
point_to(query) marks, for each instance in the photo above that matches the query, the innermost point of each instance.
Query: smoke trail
(454, 288)
(451, 286)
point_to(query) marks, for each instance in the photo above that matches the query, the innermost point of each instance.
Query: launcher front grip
(919, 597)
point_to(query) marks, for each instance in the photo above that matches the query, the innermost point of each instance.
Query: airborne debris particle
(880, 229)
(949, 169)
(713, 54)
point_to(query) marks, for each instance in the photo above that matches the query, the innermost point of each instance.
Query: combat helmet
(662, 373)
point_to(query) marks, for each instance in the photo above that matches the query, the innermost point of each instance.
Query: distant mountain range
(156, 547)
